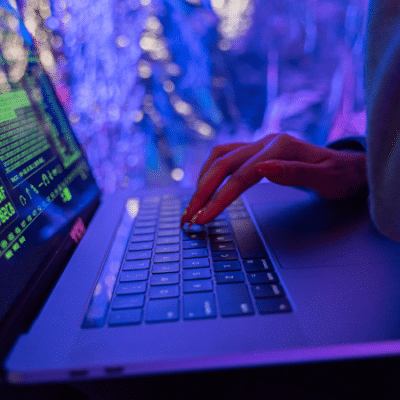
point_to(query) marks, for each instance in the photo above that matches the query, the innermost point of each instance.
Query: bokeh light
(151, 85)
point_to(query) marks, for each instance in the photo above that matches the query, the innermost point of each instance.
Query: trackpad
(305, 231)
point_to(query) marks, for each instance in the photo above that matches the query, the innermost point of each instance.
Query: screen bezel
(23, 312)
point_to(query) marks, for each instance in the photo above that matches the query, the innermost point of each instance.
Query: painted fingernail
(193, 220)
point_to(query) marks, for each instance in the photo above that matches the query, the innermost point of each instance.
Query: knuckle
(240, 181)
(194, 200)
(217, 151)
(284, 138)
(221, 166)
(338, 168)
(267, 138)
(236, 179)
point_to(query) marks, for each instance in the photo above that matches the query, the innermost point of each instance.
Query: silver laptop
(106, 286)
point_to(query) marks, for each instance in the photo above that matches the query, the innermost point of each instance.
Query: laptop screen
(45, 181)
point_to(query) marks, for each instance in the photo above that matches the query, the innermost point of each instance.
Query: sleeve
(382, 87)
(355, 143)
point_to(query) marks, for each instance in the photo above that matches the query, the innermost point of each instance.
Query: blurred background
(150, 86)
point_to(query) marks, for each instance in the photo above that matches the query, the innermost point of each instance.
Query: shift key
(234, 299)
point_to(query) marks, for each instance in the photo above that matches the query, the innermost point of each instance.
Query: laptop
(97, 286)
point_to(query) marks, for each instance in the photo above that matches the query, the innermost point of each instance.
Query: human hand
(282, 159)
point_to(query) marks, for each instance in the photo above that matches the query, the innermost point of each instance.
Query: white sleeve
(382, 87)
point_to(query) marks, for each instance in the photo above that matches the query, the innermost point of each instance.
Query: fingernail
(193, 220)
(270, 169)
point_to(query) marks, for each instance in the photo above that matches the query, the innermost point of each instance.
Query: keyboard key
(142, 238)
(173, 205)
(194, 229)
(150, 201)
(169, 219)
(167, 248)
(199, 305)
(166, 257)
(238, 214)
(164, 268)
(273, 305)
(131, 288)
(168, 240)
(221, 238)
(133, 276)
(162, 310)
(145, 218)
(131, 265)
(237, 208)
(196, 273)
(222, 266)
(229, 277)
(221, 217)
(160, 292)
(168, 232)
(143, 231)
(223, 256)
(195, 263)
(248, 239)
(257, 265)
(256, 278)
(164, 279)
(140, 246)
(195, 253)
(223, 246)
(147, 213)
(125, 317)
(238, 202)
(194, 235)
(194, 244)
(146, 223)
(169, 225)
(204, 285)
(234, 300)
(128, 301)
(217, 224)
(170, 213)
(138, 255)
(218, 231)
(261, 291)
(170, 201)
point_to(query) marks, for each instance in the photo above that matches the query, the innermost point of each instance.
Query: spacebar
(248, 239)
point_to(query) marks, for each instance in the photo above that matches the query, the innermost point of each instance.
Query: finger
(275, 146)
(217, 173)
(217, 152)
(296, 173)
(240, 181)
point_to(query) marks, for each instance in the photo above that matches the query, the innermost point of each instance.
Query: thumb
(293, 173)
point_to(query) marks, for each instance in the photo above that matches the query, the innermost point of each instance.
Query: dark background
(358, 379)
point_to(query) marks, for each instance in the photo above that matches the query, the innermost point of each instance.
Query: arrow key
(224, 255)
(229, 277)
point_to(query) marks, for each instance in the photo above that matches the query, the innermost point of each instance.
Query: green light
(9, 254)
(66, 195)
(2, 194)
(9, 102)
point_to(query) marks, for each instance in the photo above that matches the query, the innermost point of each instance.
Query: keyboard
(157, 272)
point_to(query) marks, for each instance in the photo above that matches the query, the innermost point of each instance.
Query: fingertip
(184, 217)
